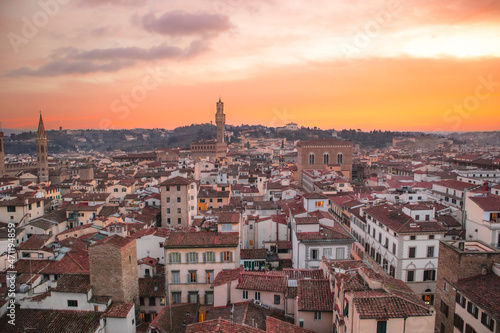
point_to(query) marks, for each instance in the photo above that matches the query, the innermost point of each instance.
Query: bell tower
(41, 152)
(220, 121)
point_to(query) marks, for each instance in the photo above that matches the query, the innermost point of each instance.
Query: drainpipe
(404, 326)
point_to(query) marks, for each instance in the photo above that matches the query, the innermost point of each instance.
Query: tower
(2, 156)
(41, 152)
(220, 121)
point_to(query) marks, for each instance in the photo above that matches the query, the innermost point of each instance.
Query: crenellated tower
(2, 156)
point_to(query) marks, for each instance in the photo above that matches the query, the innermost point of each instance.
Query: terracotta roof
(227, 276)
(35, 242)
(274, 325)
(262, 281)
(315, 195)
(477, 287)
(64, 321)
(488, 204)
(182, 239)
(221, 326)
(335, 233)
(455, 184)
(73, 283)
(314, 295)
(228, 217)
(381, 305)
(176, 181)
(115, 240)
(299, 274)
(181, 314)
(148, 261)
(152, 286)
(119, 310)
(284, 245)
(252, 254)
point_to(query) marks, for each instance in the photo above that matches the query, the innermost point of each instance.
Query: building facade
(41, 152)
(178, 201)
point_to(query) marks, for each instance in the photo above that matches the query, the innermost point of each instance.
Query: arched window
(311, 158)
(340, 158)
(326, 158)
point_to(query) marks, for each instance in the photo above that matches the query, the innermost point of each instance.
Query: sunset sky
(391, 65)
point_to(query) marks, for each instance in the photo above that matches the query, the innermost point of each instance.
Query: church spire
(41, 128)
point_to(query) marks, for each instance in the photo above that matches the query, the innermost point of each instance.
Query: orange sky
(389, 65)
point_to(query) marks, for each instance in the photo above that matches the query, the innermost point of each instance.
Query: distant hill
(148, 139)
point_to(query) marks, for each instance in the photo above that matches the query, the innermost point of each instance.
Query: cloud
(112, 2)
(73, 61)
(177, 23)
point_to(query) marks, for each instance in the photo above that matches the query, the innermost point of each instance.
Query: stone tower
(2, 156)
(41, 152)
(113, 269)
(220, 121)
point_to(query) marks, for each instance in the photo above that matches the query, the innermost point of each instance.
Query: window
(209, 257)
(168, 220)
(392, 271)
(245, 294)
(469, 329)
(168, 200)
(72, 303)
(444, 309)
(178, 210)
(417, 217)
(115, 190)
(219, 200)
(318, 204)
(411, 252)
(179, 220)
(176, 297)
(11, 209)
(301, 322)
(210, 276)
(487, 321)
(430, 251)
(317, 315)
(326, 158)
(428, 299)
(174, 257)
(460, 299)
(209, 297)
(192, 277)
(327, 253)
(162, 301)
(192, 257)
(314, 254)
(152, 301)
(431, 236)
(472, 309)
(458, 322)
(340, 158)
(146, 272)
(445, 287)
(168, 210)
(193, 297)
(427, 217)
(311, 158)
(167, 188)
(410, 276)
(430, 275)
(257, 296)
(382, 326)
(141, 300)
(226, 227)
(178, 188)
(413, 237)
(394, 248)
(176, 277)
(178, 199)
(226, 256)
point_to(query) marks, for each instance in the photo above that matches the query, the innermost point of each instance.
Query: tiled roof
(315, 195)
(61, 321)
(228, 217)
(314, 295)
(115, 240)
(181, 314)
(262, 281)
(299, 274)
(73, 283)
(334, 233)
(274, 325)
(119, 310)
(221, 326)
(226, 276)
(477, 287)
(455, 184)
(380, 305)
(284, 245)
(252, 254)
(176, 181)
(152, 286)
(182, 239)
(35, 242)
(489, 203)
(148, 261)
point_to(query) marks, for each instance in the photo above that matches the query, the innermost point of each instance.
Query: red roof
(119, 310)
(455, 184)
(227, 276)
(182, 239)
(115, 240)
(262, 281)
(488, 204)
(314, 295)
